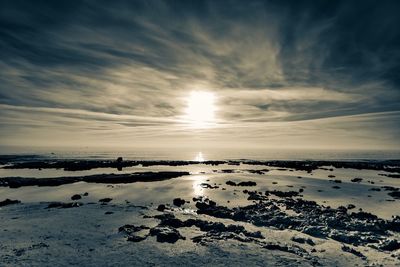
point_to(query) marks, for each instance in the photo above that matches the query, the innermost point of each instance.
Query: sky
(253, 74)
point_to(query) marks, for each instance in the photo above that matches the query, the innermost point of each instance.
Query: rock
(350, 206)
(374, 189)
(105, 200)
(76, 197)
(395, 194)
(8, 202)
(364, 215)
(130, 228)
(231, 183)
(108, 212)
(136, 238)
(248, 183)
(62, 205)
(205, 185)
(301, 240)
(178, 202)
(131, 231)
(85, 194)
(353, 251)
(161, 207)
(336, 187)
(356, 180)
(166, 234)
(195, 199)
(119, 160)
(317, 231)
(390, 245)
(110, 178)
(282, 194)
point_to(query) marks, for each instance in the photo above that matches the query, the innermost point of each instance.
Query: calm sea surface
(203, 154)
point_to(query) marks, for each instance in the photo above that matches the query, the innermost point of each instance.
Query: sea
(197, 154)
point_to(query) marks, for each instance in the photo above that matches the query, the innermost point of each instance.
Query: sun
(200, 110)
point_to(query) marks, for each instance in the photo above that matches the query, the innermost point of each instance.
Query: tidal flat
(238, 212)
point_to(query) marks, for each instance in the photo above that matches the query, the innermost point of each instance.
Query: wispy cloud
(126, 68)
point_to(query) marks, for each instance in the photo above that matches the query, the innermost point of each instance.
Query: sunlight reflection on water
(198, 190)
(199, 157)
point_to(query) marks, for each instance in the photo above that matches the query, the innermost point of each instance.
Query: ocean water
(199, 154)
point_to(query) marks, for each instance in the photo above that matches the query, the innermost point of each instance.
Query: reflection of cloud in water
(197, 181)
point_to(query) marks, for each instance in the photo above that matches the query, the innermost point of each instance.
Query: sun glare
(200, 111)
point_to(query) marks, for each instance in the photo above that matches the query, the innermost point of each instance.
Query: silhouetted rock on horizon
(392, 166)
(80, 165)
(15, 182)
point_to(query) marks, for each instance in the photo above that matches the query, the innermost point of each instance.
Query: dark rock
(374, 189)
(8, 202)
(166, 234)
(364, 215)
(205, 185)
(16, 182)
(228, 171)
(105, 200)
(231, 183)
(85, 194)
(336, 187)
(350, 206)
(390, 188)
(76, 197)
(195, 199)
(161, 207)
(356, 180)
(130, 228)
(62, 205)
(136, 238)
(108, 212)
(353, 251)
(282, 194)
(301, 240)
(248, 183)
(178, 202)
(390, 245)
(395, 194)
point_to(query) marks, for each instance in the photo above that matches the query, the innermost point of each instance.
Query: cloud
(129, 66)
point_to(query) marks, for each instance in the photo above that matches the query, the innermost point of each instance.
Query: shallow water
(317, 186)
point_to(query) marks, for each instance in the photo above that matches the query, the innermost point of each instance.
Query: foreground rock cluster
(355, 228)
(271, 210)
